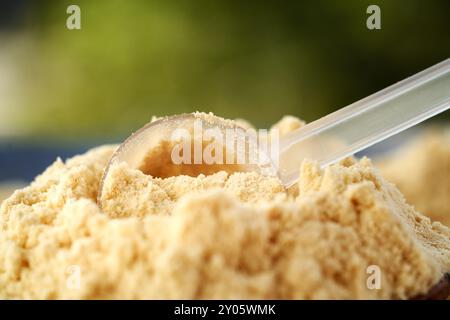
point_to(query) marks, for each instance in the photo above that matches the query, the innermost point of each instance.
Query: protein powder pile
(224, 235)
(421, 170)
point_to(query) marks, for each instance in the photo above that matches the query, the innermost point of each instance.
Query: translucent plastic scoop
(366, 122)
(326, 140)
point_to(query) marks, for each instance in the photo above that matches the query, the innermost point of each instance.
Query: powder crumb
(287, 124)
(218, 236)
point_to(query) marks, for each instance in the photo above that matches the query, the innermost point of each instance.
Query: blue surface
(25, 160)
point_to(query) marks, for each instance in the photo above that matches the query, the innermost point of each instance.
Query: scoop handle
(366, 122)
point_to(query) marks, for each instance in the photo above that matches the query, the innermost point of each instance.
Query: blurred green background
(257, 60)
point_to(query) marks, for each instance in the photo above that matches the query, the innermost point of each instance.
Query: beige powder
(421, 171)
(226, 235)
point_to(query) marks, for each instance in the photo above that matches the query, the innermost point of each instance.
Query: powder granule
(421, 170)
(220, 236)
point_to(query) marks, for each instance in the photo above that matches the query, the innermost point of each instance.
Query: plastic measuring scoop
(366, 122)
(327, 140)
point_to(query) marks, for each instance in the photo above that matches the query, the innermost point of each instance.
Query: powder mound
(225, 235)
(128, 192)
(421, 171)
